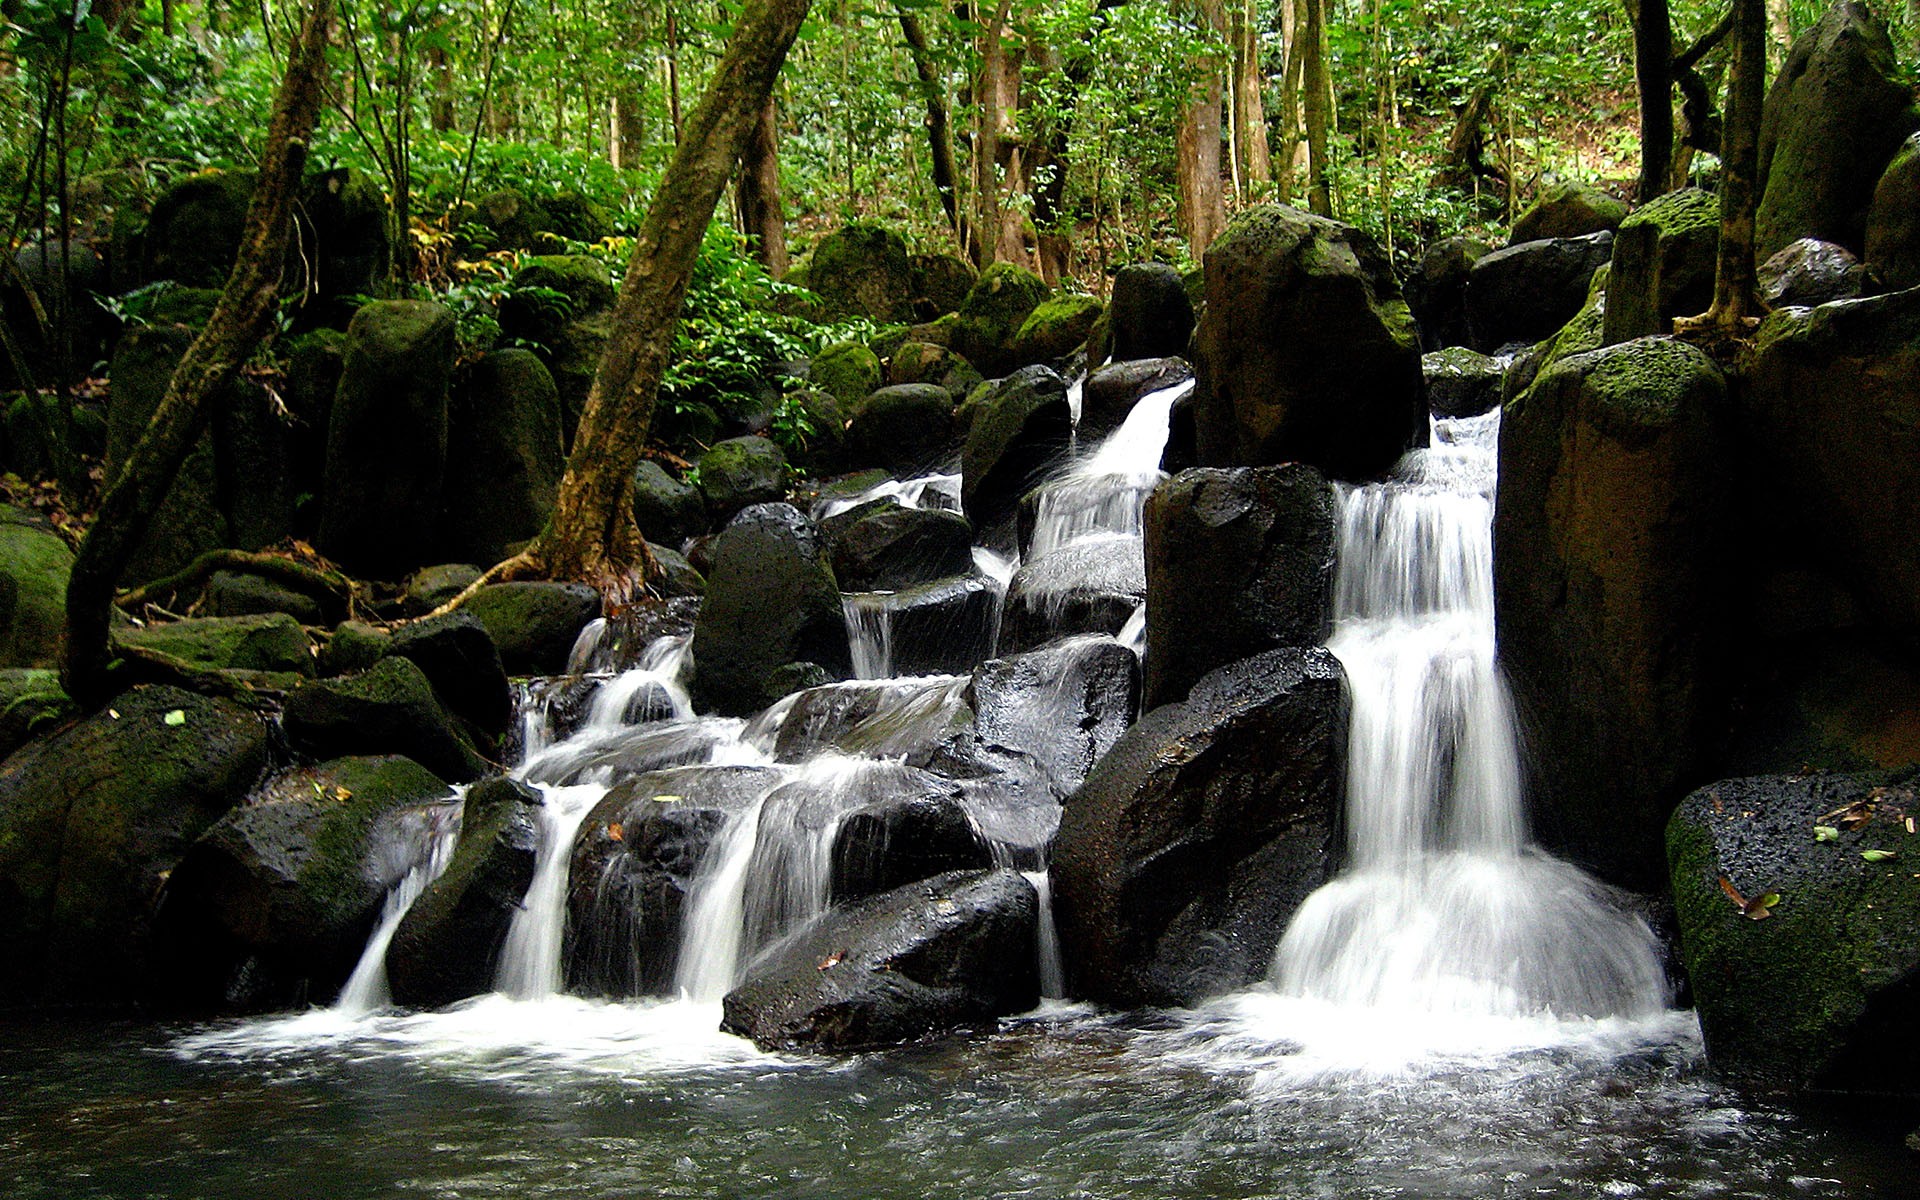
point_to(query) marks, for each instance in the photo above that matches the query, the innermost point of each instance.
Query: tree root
(273, 566)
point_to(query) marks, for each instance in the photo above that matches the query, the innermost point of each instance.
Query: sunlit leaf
(1877, 856)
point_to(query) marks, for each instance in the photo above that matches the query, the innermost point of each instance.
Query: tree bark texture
(240, 319)
(1253, 156)
(763, 218)
(1202, 211)
(1734, 300)
(1317, 103)
(592, 536)
(1652, 54)
(946, 167)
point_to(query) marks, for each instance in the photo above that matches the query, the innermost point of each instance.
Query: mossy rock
(194, 230)
(34, 565)
(263, 642)
(577, 218)
(740, 472)
(1663, 264)
(1000, 301)
(508, 220)
(189, 521)
(272, 906)
(245, 594)
(848, 371)
(1822, 993)
(343, 215)
(668, 510)
(862, 271)
(905, 428)
(32, 702)
(33, 429)
(1569, 209)
(1056, 328)
(583, 282)
(1893, 221)
(535, 624)
(92, 819)
(940, 283)
(354, 646)
(314, 363)
(505, 455)
(1461, 382)
(388, 709)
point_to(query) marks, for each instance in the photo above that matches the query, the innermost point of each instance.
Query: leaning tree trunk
(1735, 303)
(240, 320)
(762, 216)
(1652, 52)
(933, 93)
(592, 536)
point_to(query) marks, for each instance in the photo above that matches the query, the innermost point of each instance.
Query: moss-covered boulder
(509, 219)
(1829, 405)
(245, 594)
(906, 428)
(1568, 209)
(1023, 426)
(1612, 591)
(848, 371)
(1306, 351)
(35, 428)
(92, 819)
(461, 661)
(740, 472)
(998, 304)
(271, 907)
(940, 284)
(352, 647)
(1663, 262)
(1528, 290)
(58, 330)
(883, 546)
(668, 510)
(1055, 329)
(388, 709)
(771, 601)
(262, 642)
(32, 703)
(562, 304)
(1150, 316)
(862, 270)
(193, 232)
(504, 456)
(314, 363)
(1437, 291)
(447, 947)
(1585, 331)
(1461, 382)
(1834, 117)
(924, 362)
(34, 565)
(387, 439)
(1813, 983)
(1893, 221)
(577, 217)
(534, 624)
(343, 219)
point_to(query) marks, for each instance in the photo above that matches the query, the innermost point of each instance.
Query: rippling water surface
(564, 1097)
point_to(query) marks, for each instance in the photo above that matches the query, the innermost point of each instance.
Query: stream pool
(564, 1097)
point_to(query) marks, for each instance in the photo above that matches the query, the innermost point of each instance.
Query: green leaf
(177, 717)
(1825, 833)
(1877, 856)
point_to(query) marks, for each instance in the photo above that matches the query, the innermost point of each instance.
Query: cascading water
(1443, 908)
(438, 831)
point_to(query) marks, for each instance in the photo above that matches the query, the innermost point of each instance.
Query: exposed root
(273, 566)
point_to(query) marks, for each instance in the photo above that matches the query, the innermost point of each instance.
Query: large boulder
(905, 428)
(740, 472)
(1063, 706)
(924, 362)
(1568, 209)
(771, 600)
(883, 546)
(1611, 588)
(1183, 855)
(1437, 291)
(1023, 426)
(32, 703)
(847, 371)
(1110, 392)
(1811, 272)
(447, 947)
(91, 821)
(1306, 351)
(34, 565)
(1810, 979)
(1239, 561)
(995, 308)
(263, 642)
(314, 363)
(388, 709)
(534, 625)
(58, 329)
(244, 593)
(387, 439)
(1150, 315)
(668, 510)
(1663, 263)
(1828, 401)
(459, 658)
(950, 952)
(1055, 328)
(504, 456)
(937, 628)
(915, 827)
(194, 229)
(1090, 585)
(272, 906)
(1527, 291)
(862, 270)
(562, 304)
(1893, 221)
(1834, 117)
(343, 217)
(1461, 382)
(633, 868)
(940, 284)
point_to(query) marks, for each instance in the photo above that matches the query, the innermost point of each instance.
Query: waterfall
(437, 833)
(530, 958)
(1443, 907)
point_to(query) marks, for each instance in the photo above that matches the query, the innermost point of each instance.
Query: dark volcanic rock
(388, 709)
(883, 546)
(1111, 392)
(1063, 706)
(1150, 316)
(945, 953)
(771, 600)
(1526, 292)
(1811, 272)
(1022, 428)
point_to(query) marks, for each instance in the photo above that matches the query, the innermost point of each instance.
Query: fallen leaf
(1760, 907)
(1733, 893)
(340, 793)
(832, 960)
(1825, 833)
(177, 716)
(668, 799)
(616, 832)
(1877, 856)
(1856, 814)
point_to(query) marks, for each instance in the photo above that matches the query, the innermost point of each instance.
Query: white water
(1443, 908)
(366, 990)
(530, 958)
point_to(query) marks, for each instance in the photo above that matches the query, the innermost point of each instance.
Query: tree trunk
(1201, 212)
(1253, 156)
(757, 192)
(998, 164)
(946, 167)
(1735, 305)
(1652, 54)
(240, 319)
(592, 536)
(1317, 103)
(1293, 147)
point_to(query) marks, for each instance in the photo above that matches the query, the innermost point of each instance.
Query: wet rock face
(941, 954)
(1305, 351)
(1089, 585)
(1111, 391)
(1437, 292)
(1811, 272)
(1023, 426)
(883, 546)
(1527, 291)
(1824, 992)
(1064, 706)
(1192, 842)
(390, 708)
(1462, 382)
(1612, 594)
(1239, 561)
(1151, 316)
